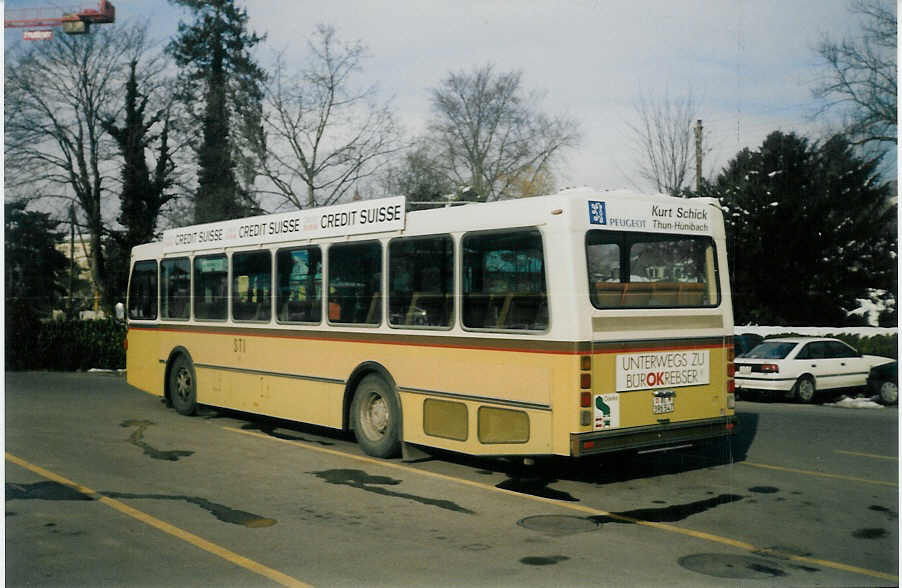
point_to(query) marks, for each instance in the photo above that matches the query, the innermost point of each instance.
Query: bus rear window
(647, 270)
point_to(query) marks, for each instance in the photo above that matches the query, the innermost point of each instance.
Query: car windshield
(772, 350)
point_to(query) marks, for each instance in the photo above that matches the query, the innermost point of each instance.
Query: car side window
(816, 350)
(837, 349)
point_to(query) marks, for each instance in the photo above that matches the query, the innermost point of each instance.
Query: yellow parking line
(859, 454)
(819, 474)
(231, 556)
(583, 509)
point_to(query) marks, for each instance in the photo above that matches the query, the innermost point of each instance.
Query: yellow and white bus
(573, 324)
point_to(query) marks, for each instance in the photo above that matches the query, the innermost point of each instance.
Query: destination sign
(642, 215)
(355, 218)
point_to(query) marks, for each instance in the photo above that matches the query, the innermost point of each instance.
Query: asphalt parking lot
(107, 486)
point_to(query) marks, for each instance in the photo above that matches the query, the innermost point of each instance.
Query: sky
(749, 64)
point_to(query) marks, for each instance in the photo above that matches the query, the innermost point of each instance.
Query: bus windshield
(642, 270)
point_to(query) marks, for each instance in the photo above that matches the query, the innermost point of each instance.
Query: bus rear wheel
(183, 386)
(376, 417)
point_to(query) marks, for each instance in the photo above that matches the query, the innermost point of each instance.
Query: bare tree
(861, 76)
(490, 134)
(57, 95)
(664, 140)
(320, 135)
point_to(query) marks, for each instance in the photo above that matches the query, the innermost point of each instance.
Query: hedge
(66, 345)
(883, 345)
(34, 344)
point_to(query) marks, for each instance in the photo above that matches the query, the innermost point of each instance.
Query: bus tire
(376, 417)
(183, 386)
(805, 389)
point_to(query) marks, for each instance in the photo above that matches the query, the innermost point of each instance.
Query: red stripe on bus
(641, 347)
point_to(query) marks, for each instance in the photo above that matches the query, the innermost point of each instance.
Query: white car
(798, 367)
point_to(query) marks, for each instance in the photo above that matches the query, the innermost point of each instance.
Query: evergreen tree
(810, 230)
(144, 193)
(214, 54)
(35, 270)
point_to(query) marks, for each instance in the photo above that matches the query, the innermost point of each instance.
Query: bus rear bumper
(651, 437)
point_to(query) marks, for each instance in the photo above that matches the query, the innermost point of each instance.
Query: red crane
(73, 22)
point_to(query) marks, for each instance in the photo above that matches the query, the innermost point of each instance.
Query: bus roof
(622, 210)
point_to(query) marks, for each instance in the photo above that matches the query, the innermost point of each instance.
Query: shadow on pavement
(535, 478)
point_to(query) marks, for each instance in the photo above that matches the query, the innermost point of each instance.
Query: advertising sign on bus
(356, 218)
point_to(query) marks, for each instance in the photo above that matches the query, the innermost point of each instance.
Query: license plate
(745, 369)
(663, 404)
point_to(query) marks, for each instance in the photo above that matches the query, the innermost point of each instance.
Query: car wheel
(376, 417)
(182, 386)
(889, 393)
(805, 389)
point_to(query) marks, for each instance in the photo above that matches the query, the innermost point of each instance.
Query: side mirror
(120, 311)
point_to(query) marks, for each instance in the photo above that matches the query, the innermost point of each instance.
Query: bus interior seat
(528, 311)
(691, 294)
(476, 310)
(375, 310)
(410, 315)
(637, 294)
(609, 294)
(294, 311)
(504, 310)
(665, 294)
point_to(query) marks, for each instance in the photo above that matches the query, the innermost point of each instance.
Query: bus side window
(421, 281)
(175, 288)
(355, 283)
(142, 292)
(299, 276)
(252, 286)
(504, 281)
(211, 282)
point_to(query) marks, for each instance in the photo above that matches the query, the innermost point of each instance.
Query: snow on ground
(858, 402)
(815, 331)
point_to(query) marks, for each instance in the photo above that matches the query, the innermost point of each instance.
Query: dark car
(883, 380)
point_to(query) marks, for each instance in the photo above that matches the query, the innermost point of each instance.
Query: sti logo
(597, 213)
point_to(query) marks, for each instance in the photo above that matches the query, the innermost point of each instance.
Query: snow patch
(858, 402)
(815, 331)
(106, 371)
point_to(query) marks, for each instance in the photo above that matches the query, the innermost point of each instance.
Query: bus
(573, 324)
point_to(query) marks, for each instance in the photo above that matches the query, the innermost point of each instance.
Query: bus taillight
(731, 372)
(585, 394)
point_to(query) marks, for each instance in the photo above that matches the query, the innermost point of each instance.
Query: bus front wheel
(376, 417)
(182, 386)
